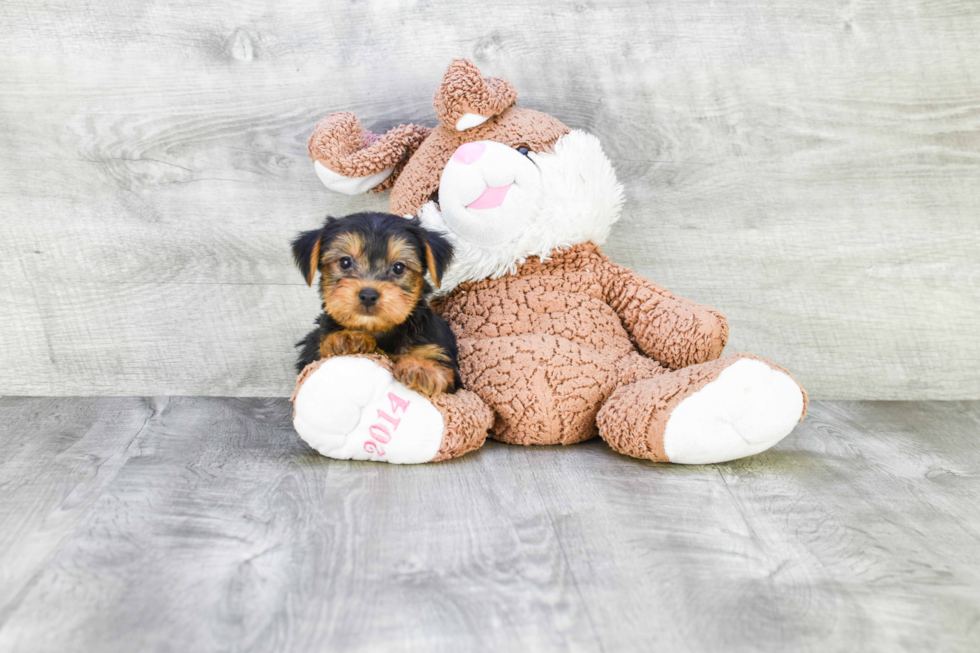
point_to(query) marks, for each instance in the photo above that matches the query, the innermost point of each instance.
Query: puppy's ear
(306, 253)
(438, 255)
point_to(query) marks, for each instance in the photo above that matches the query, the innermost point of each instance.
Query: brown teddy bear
(557, 342)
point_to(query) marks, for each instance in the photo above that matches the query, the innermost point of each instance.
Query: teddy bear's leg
(721, 410)
(352, 408)
(543, 389)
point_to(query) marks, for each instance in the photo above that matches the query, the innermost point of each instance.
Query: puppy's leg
(345, 343)
(424, 369)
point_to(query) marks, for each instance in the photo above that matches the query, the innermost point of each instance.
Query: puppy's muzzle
(368, 297)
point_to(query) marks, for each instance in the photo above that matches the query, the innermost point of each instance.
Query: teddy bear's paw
(747, 409)
(352, 409)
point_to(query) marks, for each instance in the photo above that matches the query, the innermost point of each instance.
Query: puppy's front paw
(423, 375)
(346, 343)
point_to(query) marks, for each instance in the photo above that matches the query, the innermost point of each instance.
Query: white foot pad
(352, 409)
(747, 409)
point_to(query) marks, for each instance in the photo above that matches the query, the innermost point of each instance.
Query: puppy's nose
(368, 296)
(469, 152)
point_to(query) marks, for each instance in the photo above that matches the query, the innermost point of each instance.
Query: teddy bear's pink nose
(468, 153)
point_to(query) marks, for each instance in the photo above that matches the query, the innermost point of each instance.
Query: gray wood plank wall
(812, 169)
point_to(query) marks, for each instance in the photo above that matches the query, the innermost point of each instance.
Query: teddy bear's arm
(676, 332)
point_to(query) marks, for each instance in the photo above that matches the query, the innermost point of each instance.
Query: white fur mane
(579, 201)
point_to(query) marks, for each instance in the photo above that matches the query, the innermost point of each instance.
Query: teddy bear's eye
(523, 149)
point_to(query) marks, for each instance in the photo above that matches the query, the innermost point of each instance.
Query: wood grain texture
(812, 169)
(205, 524)
(57, 457)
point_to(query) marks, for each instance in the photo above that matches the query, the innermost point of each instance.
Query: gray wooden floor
(200, 524)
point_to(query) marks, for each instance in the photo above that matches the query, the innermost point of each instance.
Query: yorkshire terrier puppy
(372, 283)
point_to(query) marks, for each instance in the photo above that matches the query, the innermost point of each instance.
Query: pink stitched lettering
(379, 431)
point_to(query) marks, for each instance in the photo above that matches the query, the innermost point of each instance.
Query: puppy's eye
(398, 268)
(346, 263)
(523, 149)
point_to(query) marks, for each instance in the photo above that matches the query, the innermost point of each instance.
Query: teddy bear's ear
(351, 160)
(466, 99)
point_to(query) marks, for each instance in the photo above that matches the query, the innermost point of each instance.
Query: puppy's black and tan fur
(372, 282)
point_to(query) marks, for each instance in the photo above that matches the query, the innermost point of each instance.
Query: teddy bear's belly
(519, 309)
